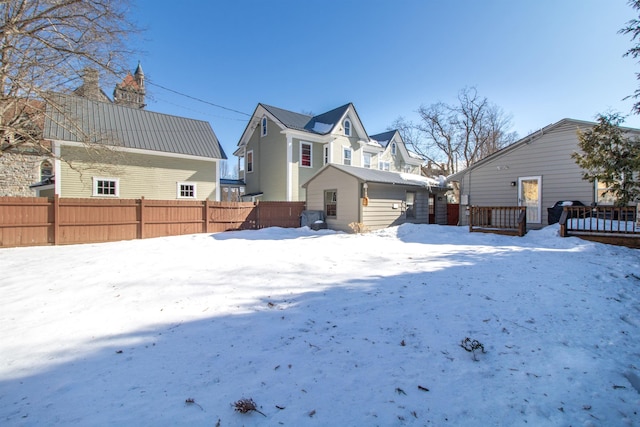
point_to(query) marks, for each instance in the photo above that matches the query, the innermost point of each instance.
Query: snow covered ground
(322, 328)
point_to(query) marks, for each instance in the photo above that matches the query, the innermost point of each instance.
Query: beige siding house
(536, 171)
(280, 150)
(112, 151)
(374, 198)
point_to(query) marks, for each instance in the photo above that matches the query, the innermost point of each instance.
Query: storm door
(529, 195)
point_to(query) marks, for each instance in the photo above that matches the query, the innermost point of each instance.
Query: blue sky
(540, 61)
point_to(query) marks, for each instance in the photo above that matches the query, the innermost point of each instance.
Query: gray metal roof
(75, 119)
(385, 177)
(384, 137)
(330, 118)
(306, 122)
(289, 118)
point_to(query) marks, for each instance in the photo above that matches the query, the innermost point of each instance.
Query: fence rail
(511, 220)
(34, 221)
(606, 224)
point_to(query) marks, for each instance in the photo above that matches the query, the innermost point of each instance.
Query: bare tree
(44, 47)
(458, 135)
(633, 28)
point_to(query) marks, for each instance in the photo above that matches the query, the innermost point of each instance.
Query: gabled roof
(288, 118)
(382, 177)
(526, 140)
(74, 119)
(320, 125)
(326, 122)
(384, 138)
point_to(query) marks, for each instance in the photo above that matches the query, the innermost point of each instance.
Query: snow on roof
(422, 180)
(415, 155)
(322, 127)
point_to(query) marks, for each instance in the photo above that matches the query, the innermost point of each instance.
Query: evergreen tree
(611, 156)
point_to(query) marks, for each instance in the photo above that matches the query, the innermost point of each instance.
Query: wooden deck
(509, 220)
(604, 224)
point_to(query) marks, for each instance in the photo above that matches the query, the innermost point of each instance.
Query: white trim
(344, 148)
(344, 127)
(217, 181)
(246, 161)
(140, 151)
(308, 136)
(326, 154)
(364, 153)
(289, 189)
(264, 129)
(94, 185)
(186, 183)
(382, 163)
(310, 154)
(57, 168)
(521, 202)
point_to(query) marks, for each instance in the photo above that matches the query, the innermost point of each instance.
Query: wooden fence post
(56, 219)
(256, 205)
(205, 223)
(141, 222)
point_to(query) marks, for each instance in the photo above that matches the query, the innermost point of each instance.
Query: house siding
(302, 174)
(548, 156)
(140, 175)
(270, 164)
(347, 187)
(380, 212)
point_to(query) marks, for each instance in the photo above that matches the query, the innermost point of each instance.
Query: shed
(374, 198)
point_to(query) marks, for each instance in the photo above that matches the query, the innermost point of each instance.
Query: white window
(106, 187)
(249, 161)
(366, 160)
(604, 197)
(347, 127)
(305, 155)
(383, 166)
(331, 203)
(393, 148)
(186, 190)
(346, 156)
(325, 153)
(263, 131)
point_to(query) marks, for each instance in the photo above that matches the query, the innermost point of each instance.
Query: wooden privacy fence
(511, 220)
(33, 221)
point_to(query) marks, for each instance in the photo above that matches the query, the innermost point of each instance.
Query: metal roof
(76, 119)
(289, 118)
(306, 122)
(385, 177)
(384, 137)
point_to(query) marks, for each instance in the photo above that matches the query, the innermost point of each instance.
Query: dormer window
(264, 126)
(393, 148)
(347, 127)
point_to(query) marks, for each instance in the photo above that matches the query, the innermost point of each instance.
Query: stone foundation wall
(17, 172)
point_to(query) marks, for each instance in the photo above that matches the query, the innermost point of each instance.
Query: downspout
(218, 180)
(57, 169)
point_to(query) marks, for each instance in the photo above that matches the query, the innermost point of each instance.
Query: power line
(197, 99)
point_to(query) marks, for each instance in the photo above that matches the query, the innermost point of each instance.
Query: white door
(529, 195)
